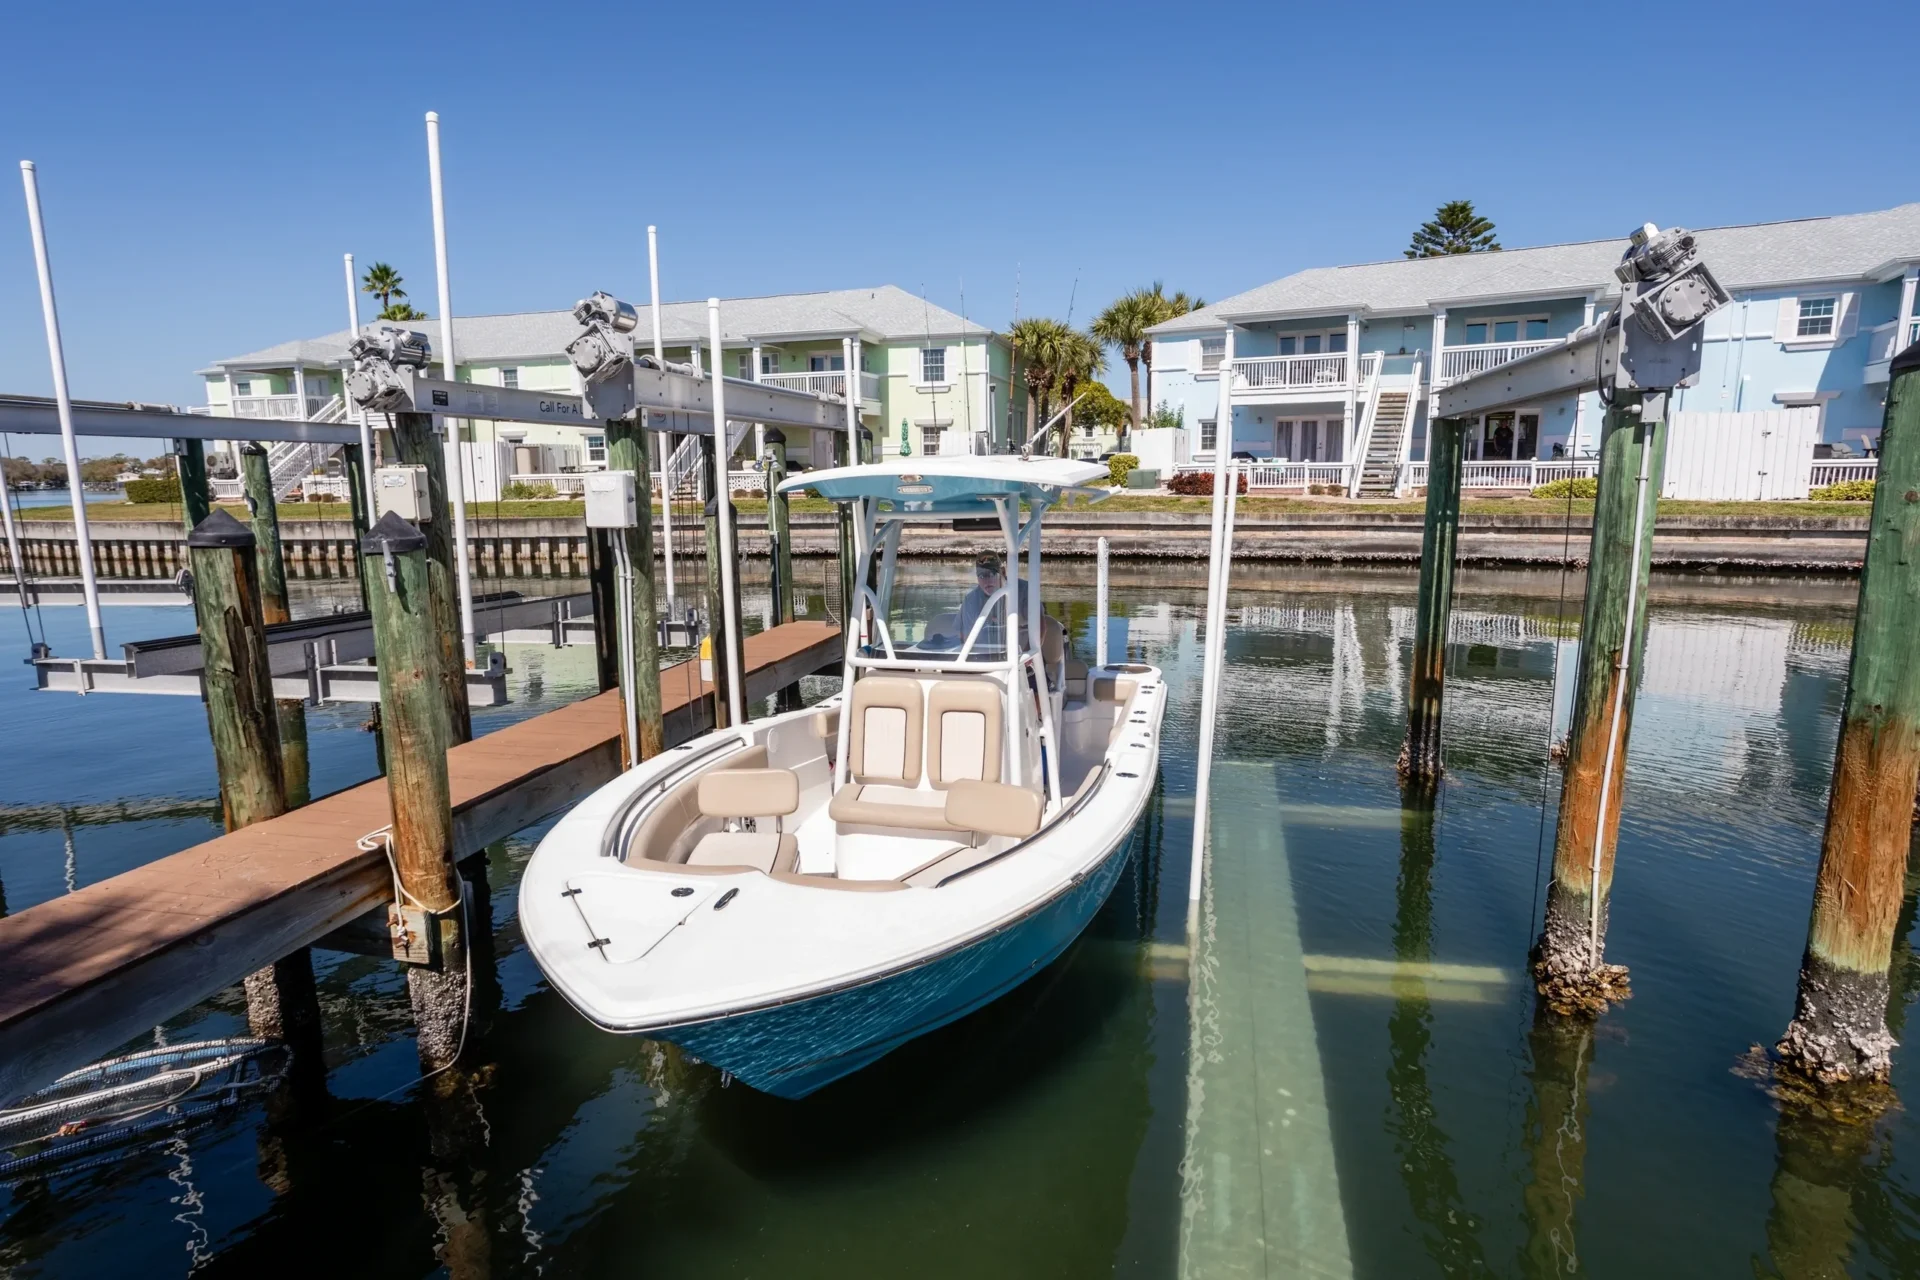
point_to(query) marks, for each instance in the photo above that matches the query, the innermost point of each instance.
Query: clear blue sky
(203, 167)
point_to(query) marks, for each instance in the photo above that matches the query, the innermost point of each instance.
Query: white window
(769, 362)
(933, 364)
(1816, 317)
(1208, 434)
(930, 441)
(243, 387)
(825, 364)
(510, 377)
(1212, 352)
(596, 449)
(744, 364)
(1504, 329)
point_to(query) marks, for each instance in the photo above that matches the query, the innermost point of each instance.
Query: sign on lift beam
(654, 389)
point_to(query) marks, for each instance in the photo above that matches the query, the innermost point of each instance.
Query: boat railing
(627, 817)
(1087, 792)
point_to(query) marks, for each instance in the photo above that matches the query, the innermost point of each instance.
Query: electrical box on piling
(401, 490)
(613, 500)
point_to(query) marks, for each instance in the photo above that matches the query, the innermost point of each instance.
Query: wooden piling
(196, 499)
(627, 451)
(418, 444)
(600, 588)
(1839, 1030)
(270, 567)
(408, 655)
(1439, 543)
(281, 1000)
(1567, 961)
(779, 535)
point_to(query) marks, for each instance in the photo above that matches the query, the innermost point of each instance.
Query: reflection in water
(1556, 1138)
(1433, 1187)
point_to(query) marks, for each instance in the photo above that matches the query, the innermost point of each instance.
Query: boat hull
(793, 1049)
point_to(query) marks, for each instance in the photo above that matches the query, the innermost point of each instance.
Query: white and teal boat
(793, 898)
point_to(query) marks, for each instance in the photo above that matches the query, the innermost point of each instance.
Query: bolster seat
(736, 795)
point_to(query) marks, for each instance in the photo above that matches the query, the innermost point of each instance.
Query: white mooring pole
(353, 331)
(723, 512)
(666, 441)
(1100, 606)
(458, 477)
(1216, 619)
(68, 444)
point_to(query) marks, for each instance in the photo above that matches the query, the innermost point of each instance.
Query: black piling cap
(253, 447)
(775, 436)
(1905, 362)
(220, 530)
(394, 535)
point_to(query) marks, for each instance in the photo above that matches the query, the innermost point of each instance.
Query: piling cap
(252, 447)
(392, 534)
(220, 530)
(1906, 361)
(775, 436)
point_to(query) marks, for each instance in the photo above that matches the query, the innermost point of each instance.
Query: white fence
(1759, 454)
(1826, 471)
(833, 383)
(1284, 475)
(1527, 473)
(1300, 373)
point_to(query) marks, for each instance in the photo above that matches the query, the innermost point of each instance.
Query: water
(1045, 1135)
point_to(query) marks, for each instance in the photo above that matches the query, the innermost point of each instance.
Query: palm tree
(383, 282)
(1164, 309)
(401, 311)
(1036, 347)
(1455, 228)
(1124, 325)
(1080, 359)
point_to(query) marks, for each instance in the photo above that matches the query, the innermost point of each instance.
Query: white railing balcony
(270, 407)
(1525, 473)
(1325, 372)
(1886, 341)
(830, 383)
(1826, 471)
(1464, 362)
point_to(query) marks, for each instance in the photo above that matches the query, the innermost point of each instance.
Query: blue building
(1334, 367)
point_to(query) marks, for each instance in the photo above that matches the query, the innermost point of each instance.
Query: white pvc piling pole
(1216, 618)
(1100, 606)
(459, 475)
(723, 512)
(13, 541)
(366, 431)
(666, 452)
(89, 585)
(853, 407)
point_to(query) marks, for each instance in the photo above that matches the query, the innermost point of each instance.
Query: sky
(204, 167)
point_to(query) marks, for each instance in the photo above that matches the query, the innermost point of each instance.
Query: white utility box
(613, 502)
(403, 491)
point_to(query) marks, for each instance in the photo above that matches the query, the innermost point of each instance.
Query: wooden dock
(82, 974)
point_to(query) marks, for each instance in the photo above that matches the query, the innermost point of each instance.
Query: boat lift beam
(40, 416)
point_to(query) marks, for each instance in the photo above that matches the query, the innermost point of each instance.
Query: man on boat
(989, 573)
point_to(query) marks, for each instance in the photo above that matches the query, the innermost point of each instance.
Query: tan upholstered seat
(741, 794)
(883, 740)
(1076, 680)
(965, 732)
(878, 805)
(993, 808)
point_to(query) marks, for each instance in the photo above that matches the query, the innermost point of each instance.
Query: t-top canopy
(946, 486)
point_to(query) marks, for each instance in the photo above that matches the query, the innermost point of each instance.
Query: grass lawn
(562, 509)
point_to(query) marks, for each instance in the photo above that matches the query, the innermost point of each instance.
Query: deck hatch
(627, 915)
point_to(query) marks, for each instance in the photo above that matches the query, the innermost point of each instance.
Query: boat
(791, 898)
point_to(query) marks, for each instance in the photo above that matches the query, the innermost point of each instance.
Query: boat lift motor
(602, 351)
(378, 356)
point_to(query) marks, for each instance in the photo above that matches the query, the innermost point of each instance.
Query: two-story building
(1333, 368)
(928, 381)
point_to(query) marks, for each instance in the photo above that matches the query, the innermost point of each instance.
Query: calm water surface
(1044, 1135)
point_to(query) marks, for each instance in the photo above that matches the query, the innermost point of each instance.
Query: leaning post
(627, 451)
(1839, 1029)
(270, 564)
(417, 444)
(281, 1000)
(1567, 960)
(1439, 544)
(408, 649)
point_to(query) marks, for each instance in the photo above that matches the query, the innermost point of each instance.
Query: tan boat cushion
(964, 731)
(883, 742)
(750, 793)
(993, 808)
(677, 812)
(1076, 679)
(878, 805)
(826, 724)
(761, 850)
(1109, 690)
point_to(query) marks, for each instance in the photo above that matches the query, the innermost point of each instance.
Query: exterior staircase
(683, 466)
(1380, 463)
(290, 462)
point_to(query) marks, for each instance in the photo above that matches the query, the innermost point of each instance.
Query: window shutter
(1848, 321)
(1787, 321)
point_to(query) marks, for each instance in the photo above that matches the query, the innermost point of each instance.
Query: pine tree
(1455, 228)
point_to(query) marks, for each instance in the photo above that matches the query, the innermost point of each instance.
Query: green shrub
(517, 491)
(1574, 486)
(165, 489)
(1845, 491)
(1118, 466)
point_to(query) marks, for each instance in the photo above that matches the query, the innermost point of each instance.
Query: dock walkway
(82, 974)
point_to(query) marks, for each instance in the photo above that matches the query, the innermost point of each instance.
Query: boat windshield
(936, 614)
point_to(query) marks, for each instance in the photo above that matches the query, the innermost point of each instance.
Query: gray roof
(1855, 246)
(886, 312)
